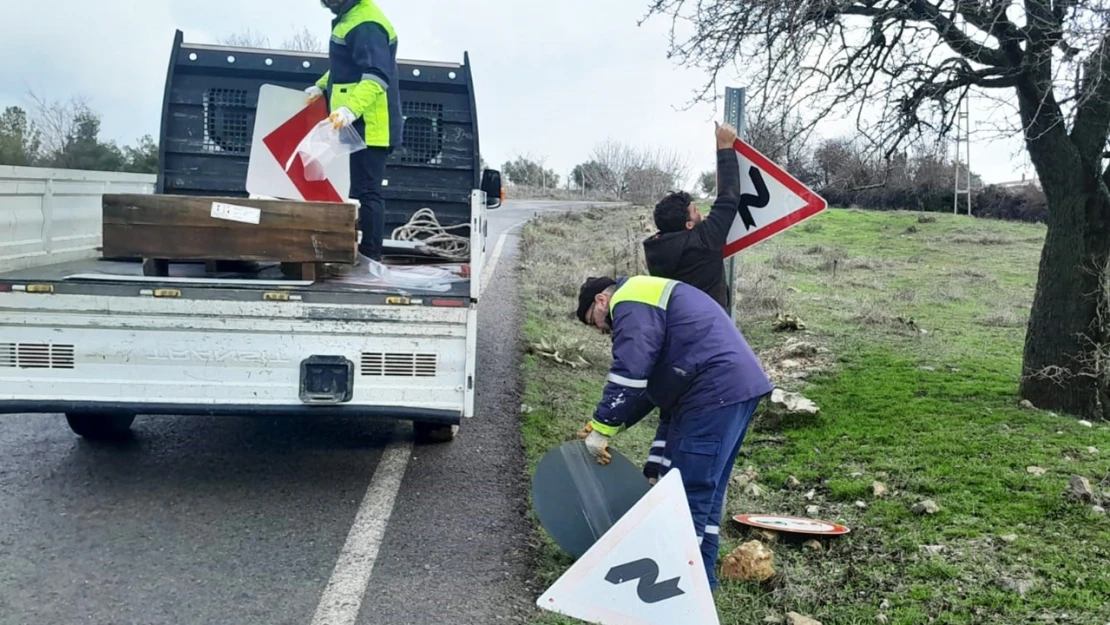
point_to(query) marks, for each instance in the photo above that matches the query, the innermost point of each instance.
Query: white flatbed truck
(98, 341)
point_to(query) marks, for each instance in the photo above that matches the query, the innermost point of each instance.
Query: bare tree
(304, 41)
(640, 175)
(58, 122)
(246, 39)
(902, 68)
(616, 160)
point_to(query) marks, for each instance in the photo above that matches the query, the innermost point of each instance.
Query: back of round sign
(577, 500)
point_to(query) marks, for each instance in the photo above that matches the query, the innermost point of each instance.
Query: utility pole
(963, 135)
(734, 114)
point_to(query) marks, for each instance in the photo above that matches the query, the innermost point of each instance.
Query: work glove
(596, 443)
(312, 94)
(341, 117)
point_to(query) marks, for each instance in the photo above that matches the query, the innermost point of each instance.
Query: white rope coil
(426, 229)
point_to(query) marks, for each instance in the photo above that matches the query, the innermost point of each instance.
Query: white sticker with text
(231, 212)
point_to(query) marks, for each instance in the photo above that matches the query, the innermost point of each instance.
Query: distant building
(1024, 182)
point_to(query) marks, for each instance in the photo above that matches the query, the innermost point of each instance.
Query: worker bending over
(674, 347)
(362, 89)
(692, 249)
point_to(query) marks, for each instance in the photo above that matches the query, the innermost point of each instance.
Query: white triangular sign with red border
(646, 570)
(772, 200)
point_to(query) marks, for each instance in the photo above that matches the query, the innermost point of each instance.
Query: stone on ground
(925, 507)
(750, 562)
(787, 403)
(793, 618)
(1079, 488)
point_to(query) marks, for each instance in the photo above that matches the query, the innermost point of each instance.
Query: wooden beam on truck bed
(178, 227)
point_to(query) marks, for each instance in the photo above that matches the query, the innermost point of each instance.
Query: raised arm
(714, 230)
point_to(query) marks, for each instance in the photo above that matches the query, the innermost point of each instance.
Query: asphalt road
(282, 521)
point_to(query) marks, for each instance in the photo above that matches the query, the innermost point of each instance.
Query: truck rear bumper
(422, 415)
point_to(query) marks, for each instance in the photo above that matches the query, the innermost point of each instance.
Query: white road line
(342, 597)
(496, 255)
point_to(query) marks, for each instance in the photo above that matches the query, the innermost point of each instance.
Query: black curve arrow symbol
(647, 571)
(748, 201)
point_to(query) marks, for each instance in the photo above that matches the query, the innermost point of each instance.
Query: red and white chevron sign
(281, 121)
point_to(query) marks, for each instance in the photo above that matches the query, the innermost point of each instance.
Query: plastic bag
(321, 145)
(417, 277)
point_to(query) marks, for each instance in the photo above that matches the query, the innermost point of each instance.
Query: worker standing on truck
(675, 348)
(362, 89)
(692, 249)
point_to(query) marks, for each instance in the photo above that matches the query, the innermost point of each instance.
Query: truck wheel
(434, 433)
(100, 426)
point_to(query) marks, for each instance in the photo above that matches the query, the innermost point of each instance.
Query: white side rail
(51, 216)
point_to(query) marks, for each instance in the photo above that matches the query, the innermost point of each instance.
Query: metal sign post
(734, 114)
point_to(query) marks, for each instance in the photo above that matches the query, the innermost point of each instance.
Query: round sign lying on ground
(577, 500)
(791, 524)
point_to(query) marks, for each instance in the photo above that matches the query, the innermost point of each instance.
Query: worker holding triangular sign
(645, 570)
(674, 347)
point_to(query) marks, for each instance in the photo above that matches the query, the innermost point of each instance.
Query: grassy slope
(923, 323)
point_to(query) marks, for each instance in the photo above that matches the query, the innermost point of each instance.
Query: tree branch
(954, 37)
(1092, 116)
(1044, 27)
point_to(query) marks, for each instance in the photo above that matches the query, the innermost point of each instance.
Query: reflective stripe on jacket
(363, 73)
(673, 347)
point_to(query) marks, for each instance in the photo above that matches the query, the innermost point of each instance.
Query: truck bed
(103, 277)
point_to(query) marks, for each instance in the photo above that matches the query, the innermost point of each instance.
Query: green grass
(921, 328)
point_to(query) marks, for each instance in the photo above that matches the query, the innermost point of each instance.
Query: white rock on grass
(925, 507)
(785, 402)
(793, 618)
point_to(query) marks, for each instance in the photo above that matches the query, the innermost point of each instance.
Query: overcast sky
(552, 79)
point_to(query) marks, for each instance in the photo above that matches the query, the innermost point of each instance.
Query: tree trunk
(1068, 336)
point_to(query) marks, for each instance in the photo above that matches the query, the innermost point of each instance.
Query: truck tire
(425, 433)
(99, 426)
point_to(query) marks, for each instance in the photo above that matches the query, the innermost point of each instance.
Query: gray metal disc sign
(577, 500)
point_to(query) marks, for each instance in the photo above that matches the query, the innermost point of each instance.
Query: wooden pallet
(162, 229)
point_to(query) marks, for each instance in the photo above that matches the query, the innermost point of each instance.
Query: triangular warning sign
(646, 570)
(771, 200)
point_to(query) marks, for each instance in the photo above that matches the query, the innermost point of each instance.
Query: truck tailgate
(224, 356)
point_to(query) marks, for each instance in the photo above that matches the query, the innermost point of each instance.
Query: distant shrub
(1025, 203)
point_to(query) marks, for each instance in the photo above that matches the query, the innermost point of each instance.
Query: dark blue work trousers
(703, 447)
(367, 173)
